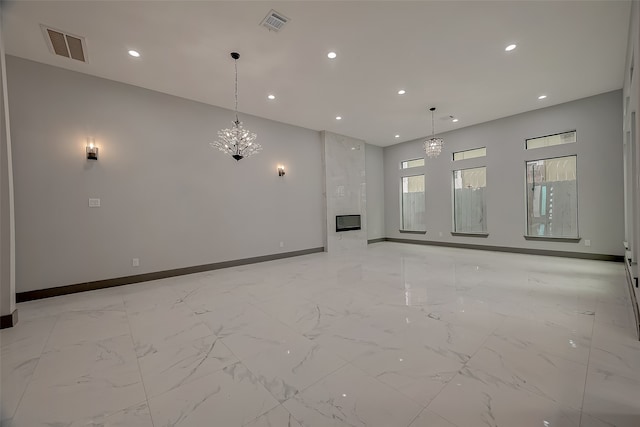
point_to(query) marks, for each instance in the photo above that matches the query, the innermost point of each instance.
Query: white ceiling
(444, 54)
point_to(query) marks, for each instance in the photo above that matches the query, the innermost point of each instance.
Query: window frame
(402, 177)
(454, 232)
(526, 140)
(411, 160)
(568, 239)
(453, 155)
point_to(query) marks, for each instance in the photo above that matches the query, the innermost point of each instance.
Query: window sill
(412, 232)
(455, 233)
(554, 239)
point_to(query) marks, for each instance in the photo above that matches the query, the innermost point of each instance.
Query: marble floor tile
(539, 335)
(474, 398)
(21, 347)
(233, 319)
(230, 397)
(169, 367)
(258, 338)
(615, 350)
(415, 371)
(277, 417)
(100, 300)
(587, 420)
(612, 398)
(615, 314)
(430, 419)
(28, 337)
(393, 335)
(17, 372)
(287, 369)
(350, 338)
(135, 416)
(349, 397)
(76, 327)
(306, 317)
(532, 369)
(165, 327)
(82, 381)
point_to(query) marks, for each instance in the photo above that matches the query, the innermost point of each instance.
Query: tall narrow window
(413, 203)
(469, 204)
(552, 198)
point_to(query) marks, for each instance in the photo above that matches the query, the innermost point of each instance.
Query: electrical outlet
(587, 242)
(94, 203)
(135, 262)
(282, 244)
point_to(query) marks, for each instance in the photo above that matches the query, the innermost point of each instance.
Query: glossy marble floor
(395, 336)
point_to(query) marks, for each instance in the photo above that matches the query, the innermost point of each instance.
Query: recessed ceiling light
(402, 92)
(397, 136)
(510, 47)
(454, 120)
(272, 97)
(332, 55)
(338, 118)
(134, 53)
(542, 96)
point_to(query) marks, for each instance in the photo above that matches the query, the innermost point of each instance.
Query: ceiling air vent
(274, 21)
(65, 44)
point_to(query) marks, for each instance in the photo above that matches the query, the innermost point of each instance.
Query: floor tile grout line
(586, 376)
(35, 367)
(133, 344)
(299, 391)
(458, 373)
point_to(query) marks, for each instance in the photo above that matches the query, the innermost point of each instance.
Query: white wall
(631, 145)
(167, 197)
(374, 166)
(7, 236)
(600, 185)
(345, 189)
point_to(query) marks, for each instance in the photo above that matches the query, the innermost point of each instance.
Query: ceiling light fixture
(332, 55)
(433, 145)
(134, 53)
(237, 141)
(542, 96)
(402, 92)
(454, 120)
(271, 97)
(510, 47)
(397, 136)
(338, 118)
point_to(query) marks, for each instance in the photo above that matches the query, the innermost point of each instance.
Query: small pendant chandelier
(433, 145)
(237, 141)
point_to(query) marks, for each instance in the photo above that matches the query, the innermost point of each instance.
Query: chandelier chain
(236, 92)
(433, 127)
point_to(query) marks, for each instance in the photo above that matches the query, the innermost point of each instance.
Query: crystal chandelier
(433, 145)
(237, 141)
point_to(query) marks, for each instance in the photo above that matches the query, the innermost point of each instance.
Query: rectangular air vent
(64, 44)
(274, 21)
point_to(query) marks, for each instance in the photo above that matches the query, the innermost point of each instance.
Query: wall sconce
(92, 150)
(280, 170)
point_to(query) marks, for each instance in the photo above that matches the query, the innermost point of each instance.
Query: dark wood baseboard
(9, 320)
(565, 254)
(146, 277)
(381, 239)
